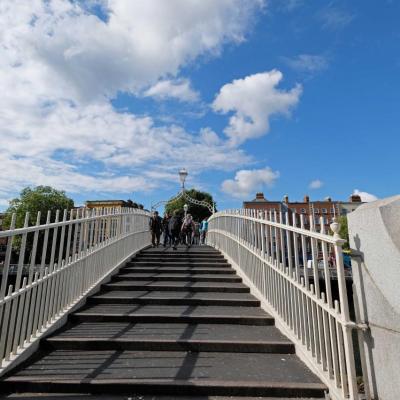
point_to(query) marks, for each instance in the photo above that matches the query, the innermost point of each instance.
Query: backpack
(187, 225)
(174, 224)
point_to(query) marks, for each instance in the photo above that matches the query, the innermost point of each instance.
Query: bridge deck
(171, 322)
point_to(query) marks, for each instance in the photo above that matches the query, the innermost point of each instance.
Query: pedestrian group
(175, 230)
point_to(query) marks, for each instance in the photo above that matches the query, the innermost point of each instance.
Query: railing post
(261, 217)
(344, 310)
(374, 232)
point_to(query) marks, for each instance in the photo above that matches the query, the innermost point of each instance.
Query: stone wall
(374, 231)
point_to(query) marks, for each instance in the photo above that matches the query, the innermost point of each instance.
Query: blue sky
(109, 99)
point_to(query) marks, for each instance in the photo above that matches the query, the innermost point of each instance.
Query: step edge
(194, 382)
(165, 341)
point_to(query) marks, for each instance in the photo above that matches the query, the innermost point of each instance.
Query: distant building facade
(104, 204)
(319, 211)
(346, 207)
(115, 205)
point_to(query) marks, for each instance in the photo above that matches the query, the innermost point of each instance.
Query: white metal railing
(270, 250)
(66, 259)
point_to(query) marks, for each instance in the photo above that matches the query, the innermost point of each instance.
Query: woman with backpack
(188, 229)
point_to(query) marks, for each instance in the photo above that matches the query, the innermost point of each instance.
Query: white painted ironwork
(183, 193)
(199, 202)
(290, 269)
(162, 202)
(58, 264)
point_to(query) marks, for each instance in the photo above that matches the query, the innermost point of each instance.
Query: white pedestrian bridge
(243, 316)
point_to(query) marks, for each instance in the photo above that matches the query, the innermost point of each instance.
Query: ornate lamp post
(182, 177)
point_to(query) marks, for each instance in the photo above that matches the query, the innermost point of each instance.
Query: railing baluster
(51, 285)
(5, 322)
(6, 266)
(20, 312)
(13, 331)
(43, 282)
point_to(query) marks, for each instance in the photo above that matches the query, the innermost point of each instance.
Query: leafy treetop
(344, 231)
(32, 200)
(198, 212)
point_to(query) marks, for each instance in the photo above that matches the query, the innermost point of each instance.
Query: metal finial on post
(335, 226)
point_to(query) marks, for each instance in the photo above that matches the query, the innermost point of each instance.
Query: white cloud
(74, 53)
(179, 89)
(52, 148)
(253, 100)
(333, 17)
(249, 181)
(316, 184)
(307, 62)
(289, 5)
(60, 66)
(4, 202)
(365, 196)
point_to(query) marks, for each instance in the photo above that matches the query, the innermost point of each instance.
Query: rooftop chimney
(260, 196)
(355, 198)
(306, 199)
(286, 199)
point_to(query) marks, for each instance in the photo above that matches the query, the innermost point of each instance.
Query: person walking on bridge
(165, 227)
(174, 227)
(155, 228)
(203, 231)
(188, 229)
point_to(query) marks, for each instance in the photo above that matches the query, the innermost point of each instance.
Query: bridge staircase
(177, 323)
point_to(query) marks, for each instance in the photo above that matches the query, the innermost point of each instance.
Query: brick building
(346, 207)
(324, 210)
(106, 204)
(116, 205)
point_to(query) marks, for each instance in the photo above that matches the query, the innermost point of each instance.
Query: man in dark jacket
(174, 229)
(155, 228)
(165, 228)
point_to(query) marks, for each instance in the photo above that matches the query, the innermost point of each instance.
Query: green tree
(41, 198)
(198, 212)
(33, 200)
(344, 231)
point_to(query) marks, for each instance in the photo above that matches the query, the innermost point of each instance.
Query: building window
(333, 210)
(316, 210)
(303, 211)
(324, 211)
